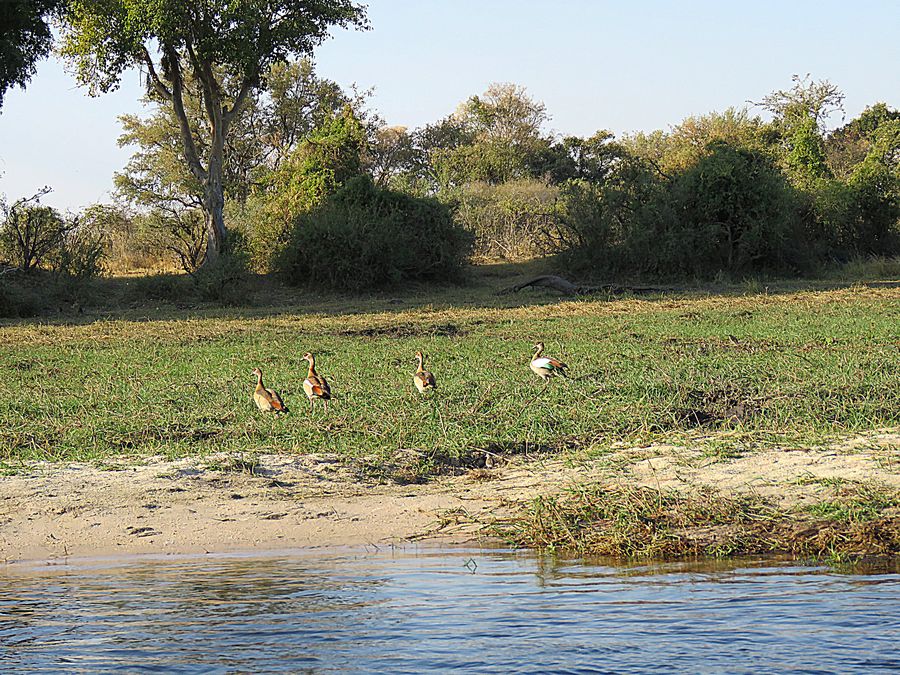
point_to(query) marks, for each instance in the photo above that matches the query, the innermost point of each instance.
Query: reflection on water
(417, 610)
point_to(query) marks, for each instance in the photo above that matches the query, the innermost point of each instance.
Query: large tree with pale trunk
(226, 45)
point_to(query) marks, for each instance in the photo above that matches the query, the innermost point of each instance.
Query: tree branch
(158, 85)
(205, 77)
(229, 115)
(190, 147)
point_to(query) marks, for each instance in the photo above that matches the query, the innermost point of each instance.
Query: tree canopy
(226, 47)
(25, 38)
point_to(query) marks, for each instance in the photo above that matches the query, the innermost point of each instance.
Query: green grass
(856, 503)
(767, 367)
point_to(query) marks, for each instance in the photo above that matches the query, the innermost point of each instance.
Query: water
(432, 610)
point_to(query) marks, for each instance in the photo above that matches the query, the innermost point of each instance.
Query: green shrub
(608, 228)
(733, 212)
(316, 169)
(365, 237)
(81, 254)
(31, 233)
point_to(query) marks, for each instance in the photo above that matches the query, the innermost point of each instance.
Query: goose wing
(275, 400)
(317, 387)
(427, 379)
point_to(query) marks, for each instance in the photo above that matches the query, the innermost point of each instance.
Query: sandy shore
(151, 505)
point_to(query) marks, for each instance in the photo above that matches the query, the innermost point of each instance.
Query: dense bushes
(315, 169)
(366, 237)
(733, 212)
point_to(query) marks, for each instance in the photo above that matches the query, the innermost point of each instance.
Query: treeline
(324, 192)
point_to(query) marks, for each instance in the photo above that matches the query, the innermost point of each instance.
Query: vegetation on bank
(726, 195)
(624, 521)
(250, 172)
(764, 366)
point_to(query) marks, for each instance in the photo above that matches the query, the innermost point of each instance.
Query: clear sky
(596, 64)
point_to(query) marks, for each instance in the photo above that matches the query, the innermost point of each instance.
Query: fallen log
(566, 287)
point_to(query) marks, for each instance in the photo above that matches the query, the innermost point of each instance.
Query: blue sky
(623, 66)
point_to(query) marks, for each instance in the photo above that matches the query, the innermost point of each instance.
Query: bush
(364, 237)
(121, 241)
(609, 228)
(81, 254)
(31, 233)
(733, 212)
(316, 169)
(510, 221)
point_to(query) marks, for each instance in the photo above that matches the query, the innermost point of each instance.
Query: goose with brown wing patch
(546, 367)
(315, 386)
(423, 379)
(267, 400)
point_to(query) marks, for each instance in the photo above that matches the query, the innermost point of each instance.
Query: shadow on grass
(46, 298)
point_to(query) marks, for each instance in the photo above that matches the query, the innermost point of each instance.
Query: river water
(415, 610)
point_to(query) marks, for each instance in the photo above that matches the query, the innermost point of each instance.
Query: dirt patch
(240, 502)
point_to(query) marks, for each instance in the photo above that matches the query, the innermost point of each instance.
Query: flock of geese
(316, 386)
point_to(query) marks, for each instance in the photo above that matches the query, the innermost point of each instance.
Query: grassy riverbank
(740, 374)
(763, 367)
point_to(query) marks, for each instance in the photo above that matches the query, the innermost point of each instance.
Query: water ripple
(419, 611)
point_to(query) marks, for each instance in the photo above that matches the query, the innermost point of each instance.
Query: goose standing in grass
(315, 385)
(267, 400)
(423, 379)
(546, 367)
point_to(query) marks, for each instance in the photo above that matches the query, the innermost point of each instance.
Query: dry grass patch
(642, 522)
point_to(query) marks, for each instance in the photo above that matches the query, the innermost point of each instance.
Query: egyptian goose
(423, 379)
(267, 400)
(546, 367)
(315, 385)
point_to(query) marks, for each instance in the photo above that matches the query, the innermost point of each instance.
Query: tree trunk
(215, 221)
(215, 199)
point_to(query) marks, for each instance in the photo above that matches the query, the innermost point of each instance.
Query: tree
(225, 46)
(807, 99)
(848, 145)
(391, 156)
(294, 103)
(493, 138)
(270, 127)
(31, 232)
(735, 213)
(800, 116)
(326, 159)
(588, 159)
(691, 139)
(504, 113)
(25, 39)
